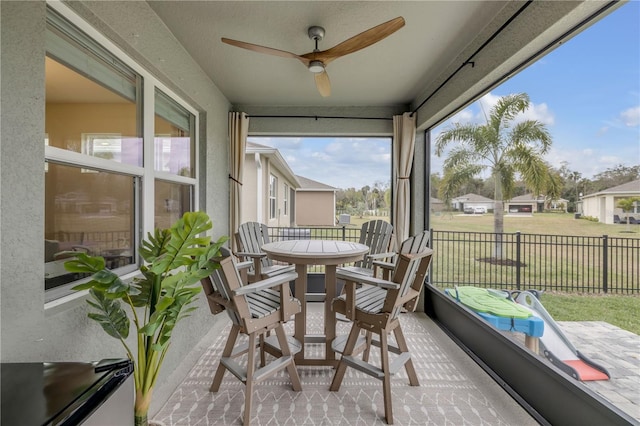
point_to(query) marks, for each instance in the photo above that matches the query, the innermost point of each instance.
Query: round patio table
(302, 253)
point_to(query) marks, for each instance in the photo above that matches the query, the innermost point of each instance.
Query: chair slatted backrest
(375, 234)
(251, 236)
(225, 280)
(410, 273)
(415, 244)
(411, 245)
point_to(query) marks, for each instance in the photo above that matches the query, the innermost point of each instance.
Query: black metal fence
(516, 261)
(543, 262)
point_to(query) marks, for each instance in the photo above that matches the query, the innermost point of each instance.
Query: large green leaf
(155, 245)
(105, 281)
(185, 245)
(83, 263)
(143, 284)
(170, 317)
(110, 315)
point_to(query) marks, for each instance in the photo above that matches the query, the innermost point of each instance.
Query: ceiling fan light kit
(317, 60)
(316, 67)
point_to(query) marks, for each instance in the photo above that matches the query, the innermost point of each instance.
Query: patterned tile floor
(453, 390)
(449, 375)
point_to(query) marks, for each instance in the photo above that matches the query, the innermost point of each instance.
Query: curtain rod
(469, 60)
(317, 117)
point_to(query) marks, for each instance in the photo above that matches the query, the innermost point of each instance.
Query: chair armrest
(380, 255)
(384, 265)
(244, 265)
(251, 255)
(265, 284)
(363, 279)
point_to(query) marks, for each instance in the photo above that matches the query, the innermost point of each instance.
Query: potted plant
(176, 259)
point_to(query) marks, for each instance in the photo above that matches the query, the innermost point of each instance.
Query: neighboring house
(472, 200)
(268, 187)
(315, 203)
(527, 203)
(437, 205)
(559, 204)
(273, 194)
(603, 204)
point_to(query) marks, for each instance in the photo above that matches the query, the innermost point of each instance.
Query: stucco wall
(29, 331)
(603, 207)
(315, 208)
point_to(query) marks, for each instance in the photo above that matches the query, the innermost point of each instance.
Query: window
(96, 179)
(285, 198)
(172, 200)
(87, 212)
(273, 191)
(174, 140)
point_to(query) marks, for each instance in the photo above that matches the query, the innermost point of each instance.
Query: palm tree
(508, 149)
(627, 205)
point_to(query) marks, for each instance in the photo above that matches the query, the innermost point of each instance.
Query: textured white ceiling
(387, 73)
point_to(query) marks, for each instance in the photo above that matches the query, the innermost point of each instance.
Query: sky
(586, 92)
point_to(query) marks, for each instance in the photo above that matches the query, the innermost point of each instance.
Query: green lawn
(539, 223)
(620, 310)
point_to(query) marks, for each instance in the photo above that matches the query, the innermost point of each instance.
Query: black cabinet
(67, 393)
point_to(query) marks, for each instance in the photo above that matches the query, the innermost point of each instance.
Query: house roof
(473, 198)
(312, 185)
(629, 188)
(527, 198)
(276, 159)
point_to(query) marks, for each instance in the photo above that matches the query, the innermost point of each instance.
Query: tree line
(572, 183)
(374, 200)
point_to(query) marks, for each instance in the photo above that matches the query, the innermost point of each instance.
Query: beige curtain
(404, 139)
(238, 130)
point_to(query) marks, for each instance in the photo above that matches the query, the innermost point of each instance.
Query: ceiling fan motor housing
(316, 33)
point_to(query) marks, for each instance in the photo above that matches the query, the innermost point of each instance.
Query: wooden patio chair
(413, 245)
(377, 235)
(255, 310)
(375, 307)
(251, 236)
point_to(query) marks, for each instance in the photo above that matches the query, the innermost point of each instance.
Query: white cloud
(631, 117)
(483, 106)
(321, 156)
(539, 112)
(339, 162)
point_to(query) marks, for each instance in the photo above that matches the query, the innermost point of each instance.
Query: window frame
(285, 199)
(273, 196)
(144, 175)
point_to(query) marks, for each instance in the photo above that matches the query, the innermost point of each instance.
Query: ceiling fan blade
(265, 50)
(323, 84)
(360, 41)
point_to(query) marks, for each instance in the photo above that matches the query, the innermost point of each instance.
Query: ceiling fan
(318, 60)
